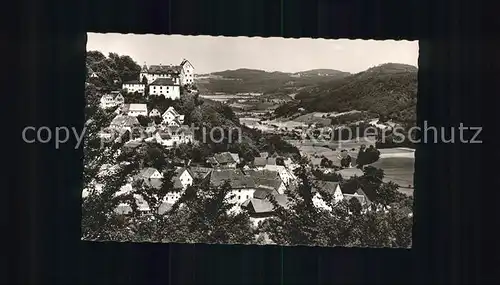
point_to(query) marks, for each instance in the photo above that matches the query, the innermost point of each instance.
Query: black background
(451, 180)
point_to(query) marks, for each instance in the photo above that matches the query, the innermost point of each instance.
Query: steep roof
(261, 193)
(326, 186)
(164, 69)
(261, 206)
(172, 111)
(199, 172)
(224, 157)
(184, 61)
(147, 172)
(163, 82)
(236, 178)
(125, 121)
(133, 82)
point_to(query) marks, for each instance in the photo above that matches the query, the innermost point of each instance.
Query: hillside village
(147, 117)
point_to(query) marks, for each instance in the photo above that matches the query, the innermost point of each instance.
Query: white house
(165, 87)
(154, 113)
(187, 72)
(242, 185)
(333, 188)
(135, 110)
(154, 72)
(182, 134)
(112, 99)
(286, 175)
(185, 177)
(134, 86)
(150, 173)
(107, 101)
(172, 118)
(164, 138)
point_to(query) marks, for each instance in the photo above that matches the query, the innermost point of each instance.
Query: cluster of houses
(162, 80)
(252, 187)
(125, 126)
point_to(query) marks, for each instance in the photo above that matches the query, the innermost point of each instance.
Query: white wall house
(107, 101)
(333, 188)
(172, 118)
(172, 197)
(134, 86)
(154, 113)
(187, 72)
(164, 138)
(112, 99)
(165, 87)
(185, 177)
(135, 110)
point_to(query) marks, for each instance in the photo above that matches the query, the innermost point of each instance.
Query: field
(398, 170)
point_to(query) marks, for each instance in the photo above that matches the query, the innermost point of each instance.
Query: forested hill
(111, 70)
(389, 89)
(253, 80)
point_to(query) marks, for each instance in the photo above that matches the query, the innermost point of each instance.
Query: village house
(172, 118)
(242, 185)
(187, 175)
(135, 110)
(154, 113)
(267, 181)
(172, 136)
(165, 87)
(126, 209)
(121, 122)
(224, 160)
(332, 188)
(111, 100)
(286, 175)
(134, 86)
(92, 73)
(131, 146)
(164, 138)
(262, 209)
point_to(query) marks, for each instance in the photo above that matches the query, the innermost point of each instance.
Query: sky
(211, 54)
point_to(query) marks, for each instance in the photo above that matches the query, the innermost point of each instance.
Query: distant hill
(388, 89)
(253, 80)
(323, 72)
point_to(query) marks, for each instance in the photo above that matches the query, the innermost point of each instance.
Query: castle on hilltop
(182, 74)
(164, 80)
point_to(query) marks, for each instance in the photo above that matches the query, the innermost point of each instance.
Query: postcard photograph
(249, 140)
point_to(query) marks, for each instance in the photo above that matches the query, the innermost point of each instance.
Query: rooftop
(121, 120)
(163, 82)
(236, 178)
(224, 157)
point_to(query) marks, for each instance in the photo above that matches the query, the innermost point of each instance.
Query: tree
(144, 120)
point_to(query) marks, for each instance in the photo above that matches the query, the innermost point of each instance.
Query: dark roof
(326, 186)
(199, 172)
(261, 193)
(236, 178)
(164, 69)
(125, 121)
(224, 157)
(133, 82)
(261, 206)
(163, 82)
